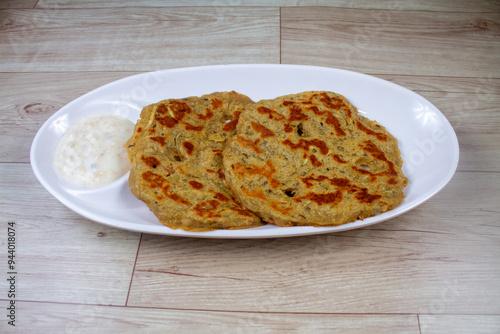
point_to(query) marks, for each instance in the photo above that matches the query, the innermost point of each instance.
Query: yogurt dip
(92, 152)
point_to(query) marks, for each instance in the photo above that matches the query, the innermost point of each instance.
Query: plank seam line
(133, 270)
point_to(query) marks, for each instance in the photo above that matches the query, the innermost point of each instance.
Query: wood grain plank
(484, 88)
(98, 319)
(61, 256)
(459, 324)
(136, 39)
(415, 42)
(436, 256)
(479, 152)
(5, 4)
(460, 5)
(440, 261)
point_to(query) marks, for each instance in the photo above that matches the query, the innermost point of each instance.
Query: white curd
(92, 152)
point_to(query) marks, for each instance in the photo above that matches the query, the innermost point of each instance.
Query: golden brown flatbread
(311, 159)
(176, 155)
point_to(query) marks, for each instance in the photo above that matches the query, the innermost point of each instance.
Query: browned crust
(176, 155)
(311, 159)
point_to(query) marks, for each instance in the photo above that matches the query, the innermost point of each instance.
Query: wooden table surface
(435, 269)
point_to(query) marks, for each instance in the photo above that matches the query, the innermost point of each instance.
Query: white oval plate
(427, 141)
